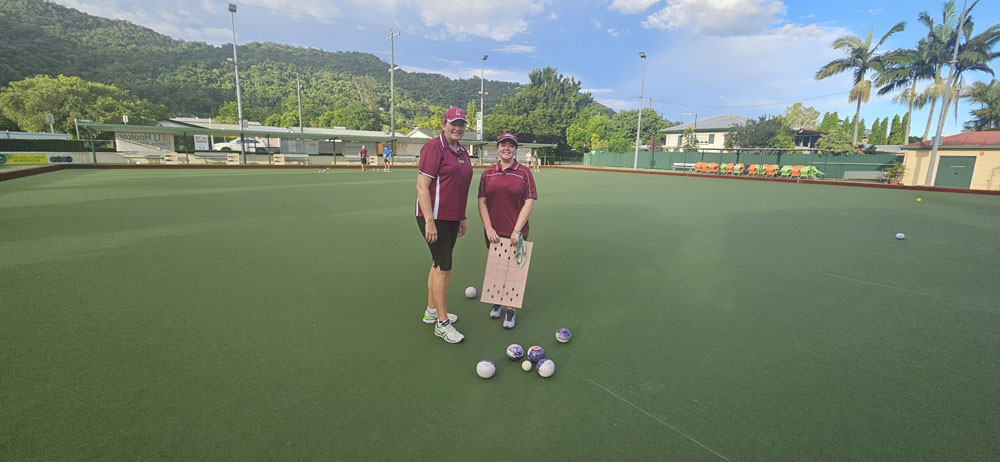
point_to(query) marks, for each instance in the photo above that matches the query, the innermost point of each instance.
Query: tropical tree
(987, 95)
(835, 142)
(904, 68)
(690, 140)
(756, 133)
(26, 102)
(862, 56)
(800, 116)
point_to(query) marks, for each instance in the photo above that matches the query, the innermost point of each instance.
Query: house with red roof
(969, 160)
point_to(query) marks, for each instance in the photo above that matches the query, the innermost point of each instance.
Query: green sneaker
(432, 318)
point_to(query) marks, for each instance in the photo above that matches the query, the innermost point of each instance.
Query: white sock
(431, 310)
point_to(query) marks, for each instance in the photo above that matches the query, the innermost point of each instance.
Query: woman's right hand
(492, 236)
(430, 232)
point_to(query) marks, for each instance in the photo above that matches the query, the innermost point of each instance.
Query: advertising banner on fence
(143, 142)
(23, 159)
(201, 143)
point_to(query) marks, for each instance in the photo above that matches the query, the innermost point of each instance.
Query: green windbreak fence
(832, 166)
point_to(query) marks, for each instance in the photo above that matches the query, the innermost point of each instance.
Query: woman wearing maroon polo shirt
(443, 179)
(506, 196)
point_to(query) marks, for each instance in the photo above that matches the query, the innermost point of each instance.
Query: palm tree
(904, 68)
(936, 50)
(861, 57)
(973, 55)
(987, 117)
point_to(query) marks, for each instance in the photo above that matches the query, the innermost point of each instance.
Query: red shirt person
(444, 174)
(507, 195)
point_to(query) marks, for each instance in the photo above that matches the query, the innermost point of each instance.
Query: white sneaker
(432, 318)
(448, 333)
(497, 312)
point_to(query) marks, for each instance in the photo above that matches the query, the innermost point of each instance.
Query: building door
(955, 172)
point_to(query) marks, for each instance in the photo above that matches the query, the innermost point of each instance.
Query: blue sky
(704, 57)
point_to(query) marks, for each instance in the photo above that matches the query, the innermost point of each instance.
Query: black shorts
(441, 249)
(364, 161)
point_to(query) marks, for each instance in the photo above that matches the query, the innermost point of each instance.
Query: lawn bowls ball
(514, 352)
(546, 368)
(486, 369)
(563, 335)
(470, 292)
(900, 236)
(535, 354)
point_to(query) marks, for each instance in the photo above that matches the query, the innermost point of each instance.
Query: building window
(680, 139)
(711, 138)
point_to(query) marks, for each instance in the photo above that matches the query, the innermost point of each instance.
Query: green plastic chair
(786, 171)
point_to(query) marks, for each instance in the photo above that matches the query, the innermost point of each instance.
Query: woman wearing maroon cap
(443, 179)
(506, 196)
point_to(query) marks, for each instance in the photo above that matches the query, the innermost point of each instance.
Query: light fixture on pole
(482, 96)
(236, 70)
(642, 87)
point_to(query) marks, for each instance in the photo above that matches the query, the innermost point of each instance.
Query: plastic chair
(699, 167)
(713, 168)
(796, 171)
(770, 170)
(753, 169)
(786, 171)
(738, 169)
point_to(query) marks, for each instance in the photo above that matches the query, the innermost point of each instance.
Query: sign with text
(140, 142)
(201, 143)
(23, 159)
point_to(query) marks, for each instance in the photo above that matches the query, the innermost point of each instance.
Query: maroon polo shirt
(505, 191)
(451, 175)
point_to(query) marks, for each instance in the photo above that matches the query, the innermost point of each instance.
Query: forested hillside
(195, 78)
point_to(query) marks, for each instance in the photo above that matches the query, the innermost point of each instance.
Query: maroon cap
(454, 114)
(507, 136)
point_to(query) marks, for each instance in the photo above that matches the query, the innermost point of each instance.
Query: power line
(752, 105)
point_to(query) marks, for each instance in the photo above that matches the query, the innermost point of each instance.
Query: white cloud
(769, 67)
(631, 6)
(553, 16)
(513, 49)
(597, 91)
(596, 22)
(718, 17)
(872, 11)
(613, 32)
(495, 19)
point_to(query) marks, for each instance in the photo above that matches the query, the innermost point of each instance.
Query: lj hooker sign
(125, 142)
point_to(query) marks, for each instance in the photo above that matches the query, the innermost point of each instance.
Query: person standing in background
(363, 153)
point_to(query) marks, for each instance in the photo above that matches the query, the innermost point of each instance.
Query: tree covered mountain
(195, 78)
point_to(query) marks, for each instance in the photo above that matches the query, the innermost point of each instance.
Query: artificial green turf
(273, 314)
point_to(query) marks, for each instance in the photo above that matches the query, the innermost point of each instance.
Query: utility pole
(945, 99)
(298, 86)
(392, 87)
(236, 70)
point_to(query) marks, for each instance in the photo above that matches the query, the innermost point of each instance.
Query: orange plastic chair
(699, 167)
(713, 168)
(752, 169)
(738, 169)
(770, 170)
(796, 171)
(729, 169)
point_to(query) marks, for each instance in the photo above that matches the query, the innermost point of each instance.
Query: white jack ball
(526, 366)
(470, 292)
(486, 369)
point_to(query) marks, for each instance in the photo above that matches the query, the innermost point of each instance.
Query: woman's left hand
(513, 238)
(461, 228)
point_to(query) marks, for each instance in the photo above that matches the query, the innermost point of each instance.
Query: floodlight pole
(482, 98)
(236, 70)
(392, 87)
(638, 130)
(944, 99)
(298, 86)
